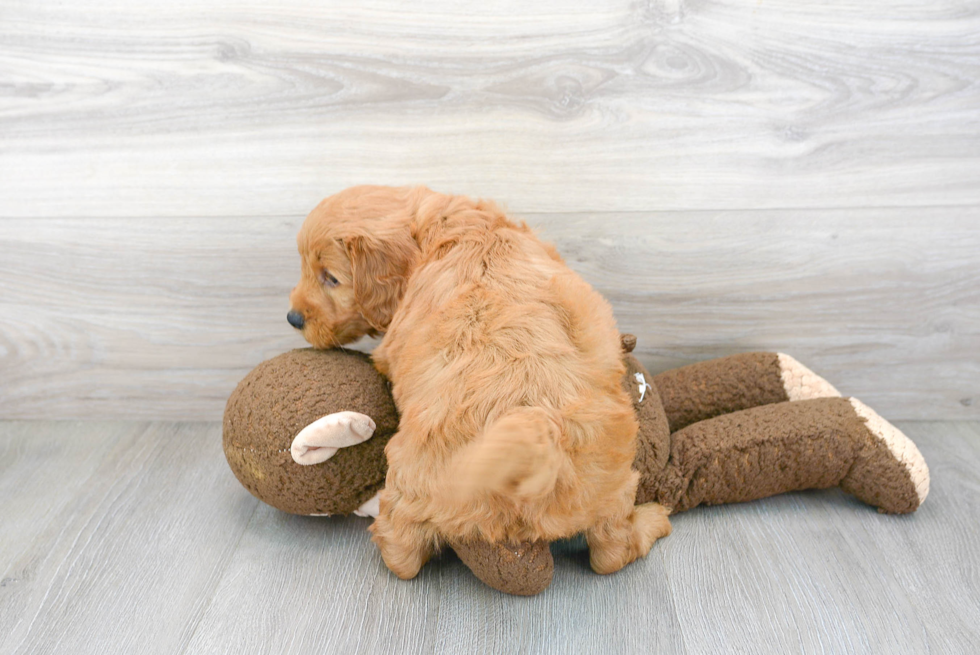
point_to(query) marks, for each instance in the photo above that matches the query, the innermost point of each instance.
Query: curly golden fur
(505, 366)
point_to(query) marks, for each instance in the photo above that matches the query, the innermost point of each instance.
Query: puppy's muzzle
(295, 319)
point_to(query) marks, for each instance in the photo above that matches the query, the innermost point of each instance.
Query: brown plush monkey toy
(305, 432)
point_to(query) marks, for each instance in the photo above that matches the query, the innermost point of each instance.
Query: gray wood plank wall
(781, 175)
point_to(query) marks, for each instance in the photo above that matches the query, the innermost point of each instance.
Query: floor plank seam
(219, 578)
(674, 601)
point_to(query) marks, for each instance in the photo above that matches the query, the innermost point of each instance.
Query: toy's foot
(801, 383)
(889, 472)
(523, 569)
(321, 439)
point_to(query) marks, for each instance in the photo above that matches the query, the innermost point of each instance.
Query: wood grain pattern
(733, 176)
(127, 560)
(129, 109)
(884, 304)
(943, 607)
(35, 491)
(149, 545)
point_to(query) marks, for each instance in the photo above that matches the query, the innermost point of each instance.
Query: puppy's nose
(295, 319)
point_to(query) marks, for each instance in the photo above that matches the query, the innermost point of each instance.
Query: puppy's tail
(517, 456)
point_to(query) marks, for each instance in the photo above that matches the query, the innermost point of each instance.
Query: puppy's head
(357, 249)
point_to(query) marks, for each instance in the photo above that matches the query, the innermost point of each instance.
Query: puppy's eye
(327, 280)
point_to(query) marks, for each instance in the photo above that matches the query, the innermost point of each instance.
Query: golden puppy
(505, 366)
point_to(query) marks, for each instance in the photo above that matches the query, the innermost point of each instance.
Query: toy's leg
(875, 478)
(729, 384)
(789, 446)
(406, 542)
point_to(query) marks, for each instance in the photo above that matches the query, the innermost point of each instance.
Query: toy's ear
(379, 269)
(320, 440)
(628, 342)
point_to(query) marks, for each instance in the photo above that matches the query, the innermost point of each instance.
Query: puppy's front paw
(651, 524)
(321, 439)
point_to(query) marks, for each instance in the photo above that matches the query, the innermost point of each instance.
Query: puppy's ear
(379, 269)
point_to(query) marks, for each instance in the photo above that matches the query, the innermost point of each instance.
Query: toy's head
(283, 395)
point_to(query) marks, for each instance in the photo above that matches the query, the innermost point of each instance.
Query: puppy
(505, 366)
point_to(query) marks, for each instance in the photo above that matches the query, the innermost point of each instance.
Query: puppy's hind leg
(406, 544)
(615, 542)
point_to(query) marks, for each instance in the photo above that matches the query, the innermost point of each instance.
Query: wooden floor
(129, 537)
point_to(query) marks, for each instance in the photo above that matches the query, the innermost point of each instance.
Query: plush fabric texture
(523, 569)
(283, 395)
(772, 449)
(888, 471)
(707, 389)
(653, 437)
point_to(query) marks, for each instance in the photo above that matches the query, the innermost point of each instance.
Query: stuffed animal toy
(305, 432)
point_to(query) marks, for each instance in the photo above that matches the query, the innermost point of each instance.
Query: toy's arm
(811, 444)
(523, 569)
(321, 439)
(728, 384)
